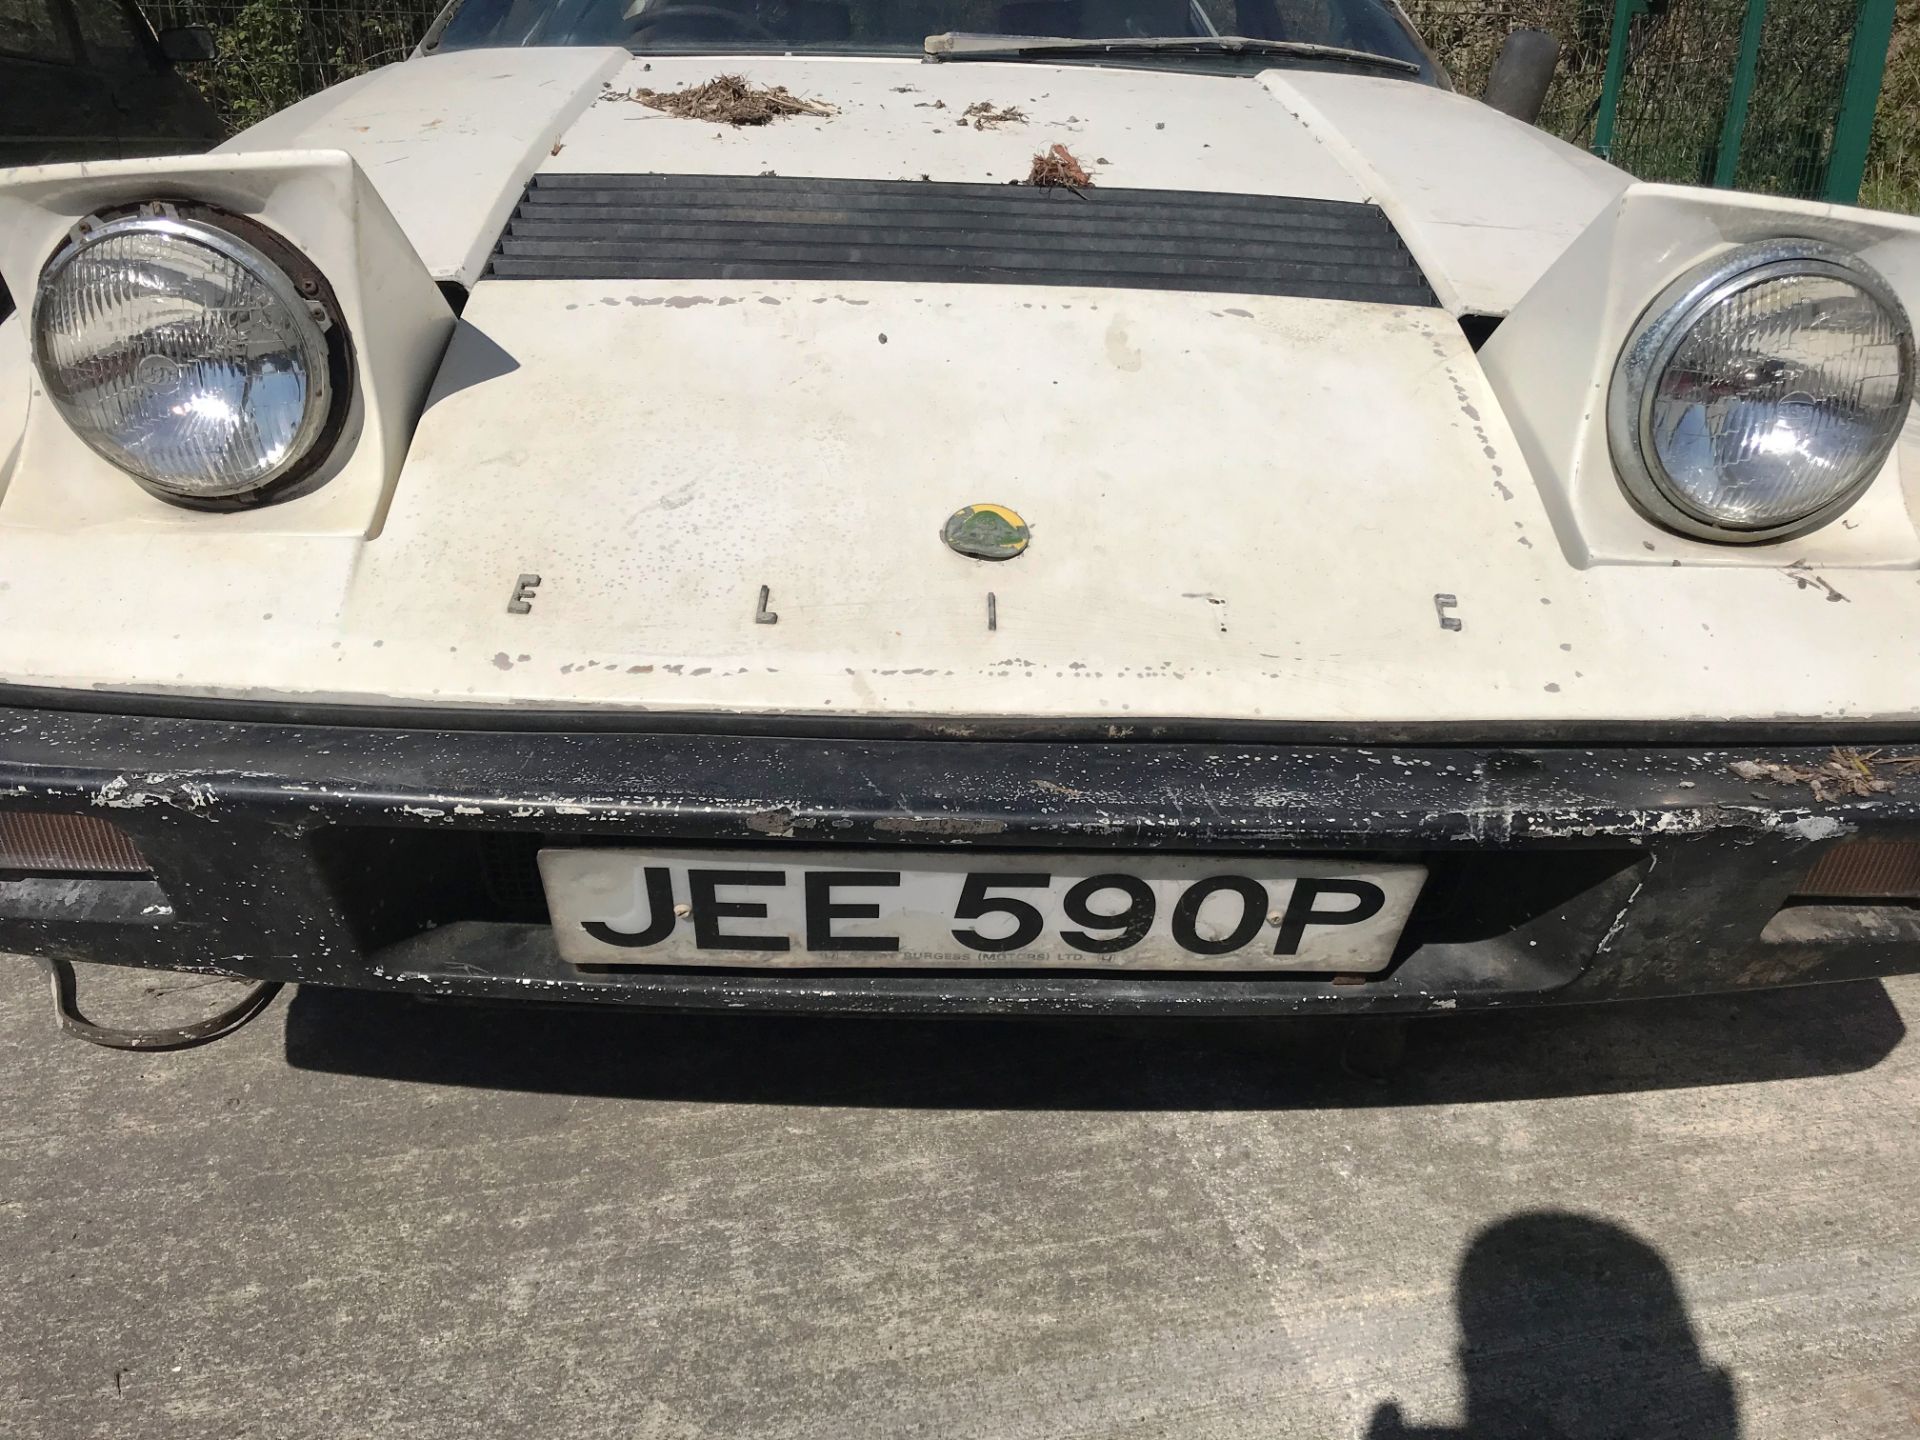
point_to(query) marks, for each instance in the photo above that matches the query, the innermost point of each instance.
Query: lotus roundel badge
(986, 532)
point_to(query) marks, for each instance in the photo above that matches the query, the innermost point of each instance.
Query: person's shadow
(1573, 1329)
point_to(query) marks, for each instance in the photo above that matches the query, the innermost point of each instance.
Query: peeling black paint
(249, 838)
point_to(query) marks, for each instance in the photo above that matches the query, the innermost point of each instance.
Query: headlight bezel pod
(293, 279)
(1657, 335)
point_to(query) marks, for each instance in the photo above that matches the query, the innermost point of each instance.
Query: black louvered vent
(737, 227)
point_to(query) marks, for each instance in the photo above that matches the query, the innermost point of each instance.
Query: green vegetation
(1673, 103)
(273, 52)
(1893, 166)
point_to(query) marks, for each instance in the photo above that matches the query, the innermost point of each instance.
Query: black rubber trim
(387, 714)
(757, 227)
(714, 788)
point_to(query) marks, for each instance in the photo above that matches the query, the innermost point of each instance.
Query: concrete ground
(362, 1217)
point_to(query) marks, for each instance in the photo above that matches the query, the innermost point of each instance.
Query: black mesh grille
(733, 227)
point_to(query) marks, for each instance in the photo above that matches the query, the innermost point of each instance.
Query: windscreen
(896, 26)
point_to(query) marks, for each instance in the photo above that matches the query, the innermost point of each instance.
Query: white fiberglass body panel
(1484, 201)
(1553, 388)
(447, 140)
(398, 322)
(903, 120)
(1243, 507)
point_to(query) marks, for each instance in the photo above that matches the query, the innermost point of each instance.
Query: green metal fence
(1771, 95)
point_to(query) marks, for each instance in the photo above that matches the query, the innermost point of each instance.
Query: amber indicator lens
(1866, 870)
(67, 845)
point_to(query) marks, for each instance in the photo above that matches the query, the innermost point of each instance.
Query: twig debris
(1056, 168)
(1845, 774)
(727, 100)
(985, 116)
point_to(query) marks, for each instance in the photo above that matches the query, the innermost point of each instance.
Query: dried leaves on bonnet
(1845, 774)
(985, 116)
(729, 100)
(1057, 167)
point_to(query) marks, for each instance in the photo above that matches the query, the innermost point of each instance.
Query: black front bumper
(402, 857)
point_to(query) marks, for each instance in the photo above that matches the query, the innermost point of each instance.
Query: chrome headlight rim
(292, 278)
(1657, 336)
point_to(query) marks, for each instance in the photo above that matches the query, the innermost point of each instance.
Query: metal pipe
(1522, 74)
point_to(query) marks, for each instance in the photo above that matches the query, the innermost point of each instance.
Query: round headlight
(200, 355)
(1760, 394)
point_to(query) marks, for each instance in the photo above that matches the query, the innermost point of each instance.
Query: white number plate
(920, 910)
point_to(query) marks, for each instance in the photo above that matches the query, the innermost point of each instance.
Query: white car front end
(1352, 547)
